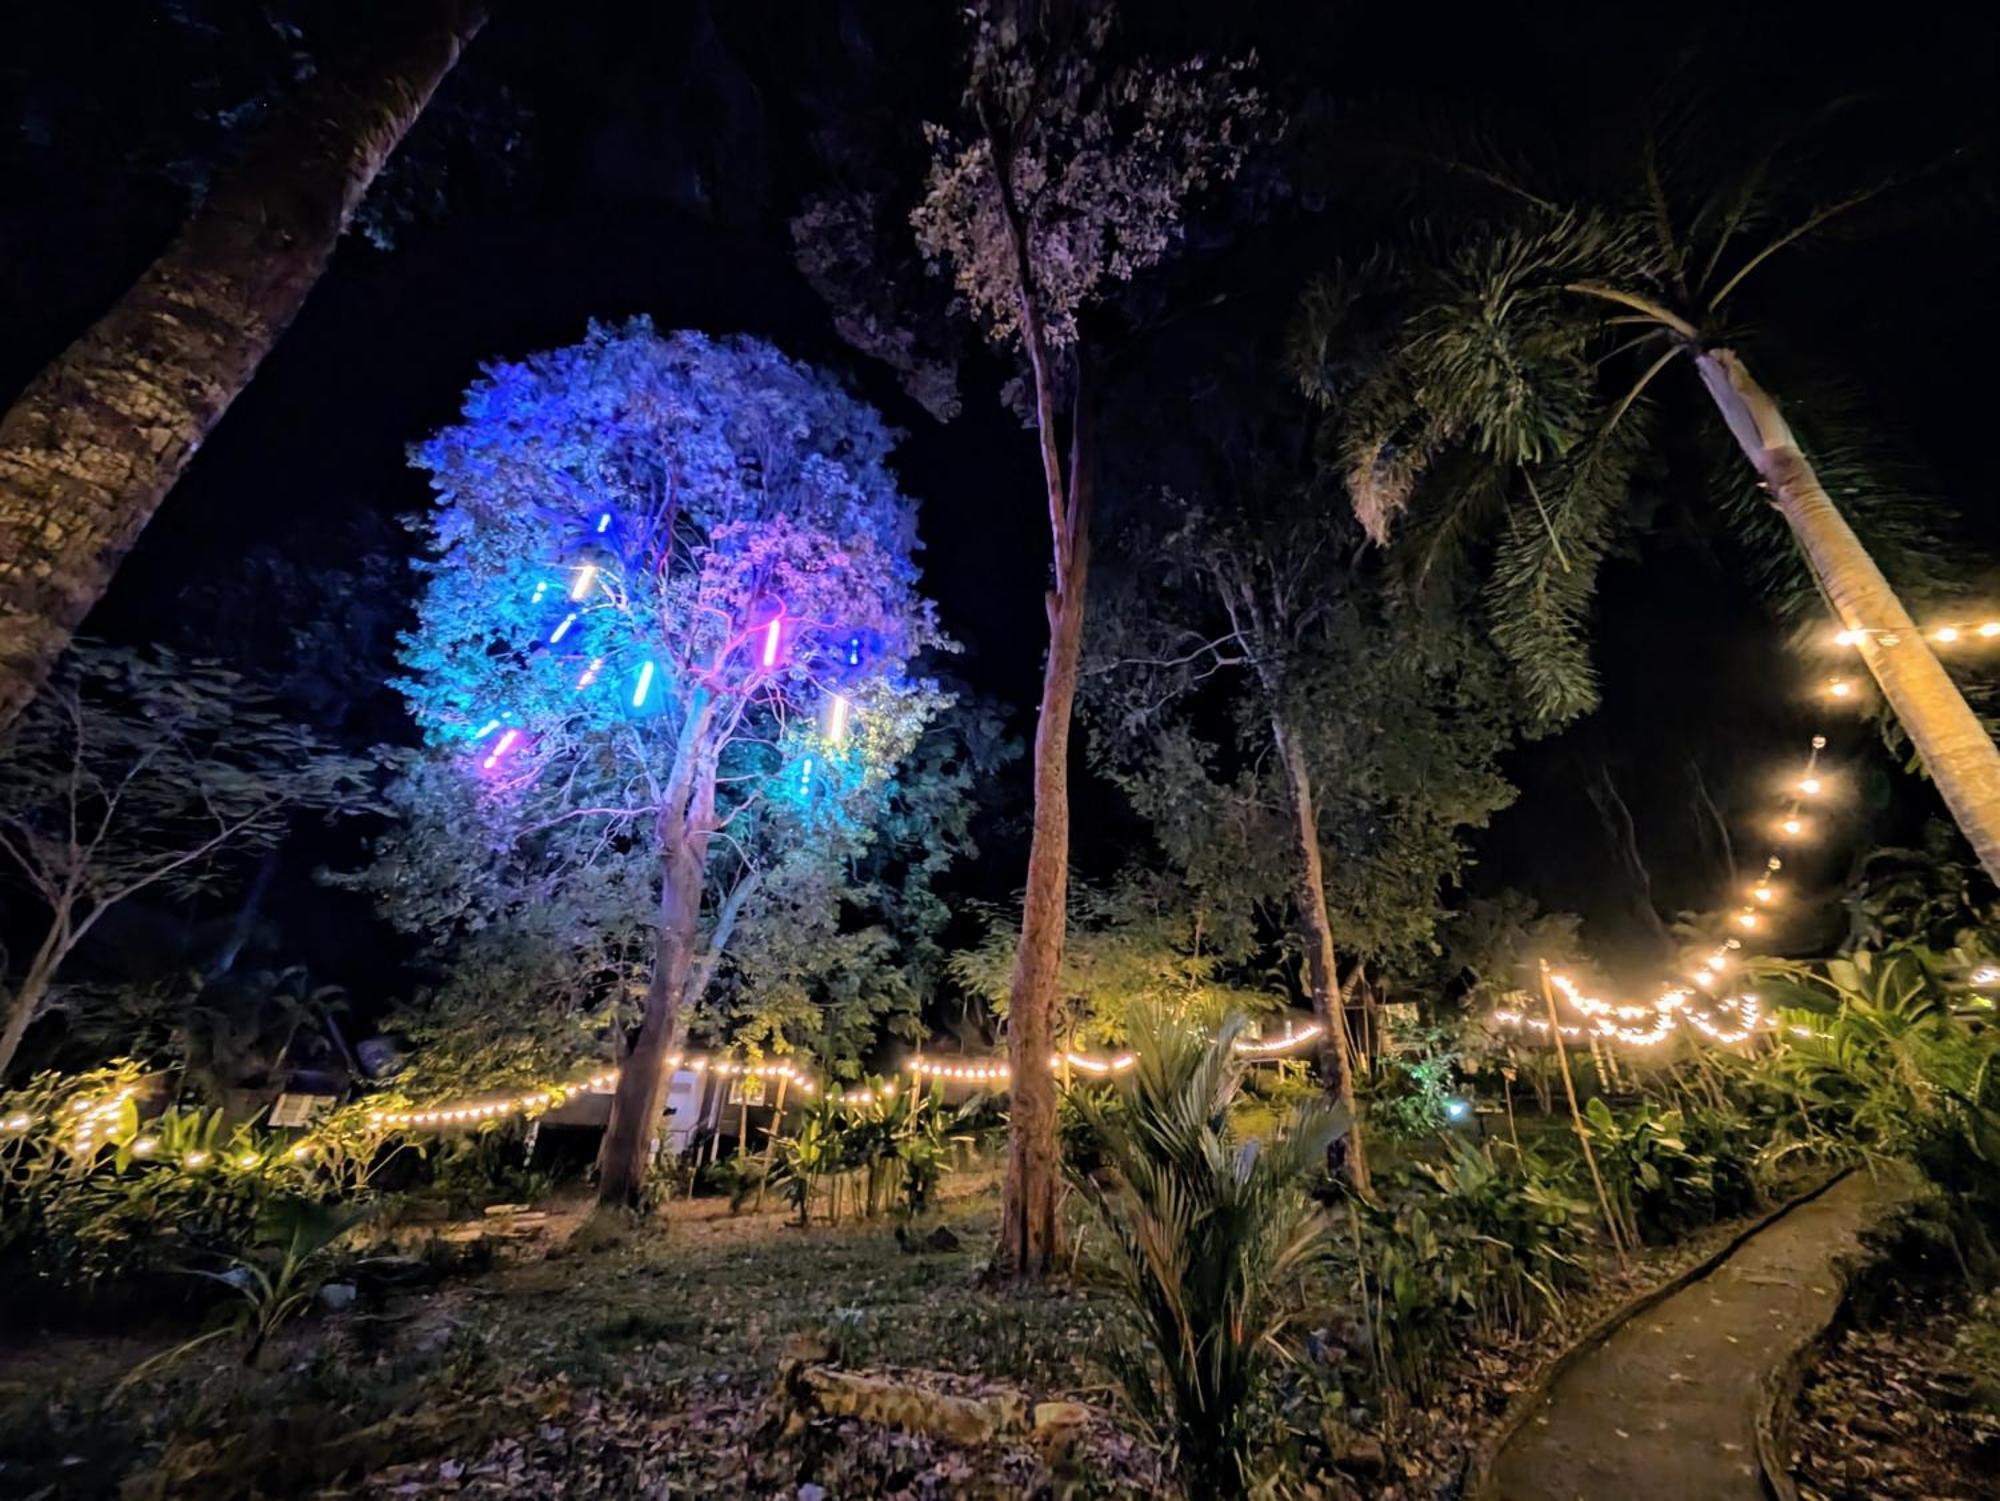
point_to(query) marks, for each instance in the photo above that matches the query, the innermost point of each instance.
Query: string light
(836, 729)
(772, 633)
(585, 577)
(562, 630)
(1840, 687)
(506, 742)
(644, 686)
(1810, 786)
(604, 523)
(590, 674)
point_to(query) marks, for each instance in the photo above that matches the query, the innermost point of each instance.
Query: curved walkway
(1666, 1408)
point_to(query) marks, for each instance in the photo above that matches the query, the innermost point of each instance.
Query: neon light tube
(771, 637)
(562, 630)
(836, 724)
(501, 749)
(645, 686)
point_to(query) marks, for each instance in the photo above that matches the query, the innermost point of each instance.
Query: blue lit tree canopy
(667, 630)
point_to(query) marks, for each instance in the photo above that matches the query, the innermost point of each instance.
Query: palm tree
(92, 446)
(1533, 347)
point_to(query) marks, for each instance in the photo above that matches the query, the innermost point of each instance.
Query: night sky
(661, 151)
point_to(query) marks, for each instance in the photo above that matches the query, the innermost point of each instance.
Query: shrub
(1207, 1236)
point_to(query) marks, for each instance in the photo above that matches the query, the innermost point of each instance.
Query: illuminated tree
(663, 647)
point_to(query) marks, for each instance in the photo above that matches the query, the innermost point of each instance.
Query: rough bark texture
(641, 1097)
(27, 1000)
(1030, 1229)
(1336, 1058)
(94, 443)
(1954, 745)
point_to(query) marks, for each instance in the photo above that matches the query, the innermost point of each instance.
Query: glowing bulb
(1840, 688)
(1848, 638)
(854, 649)
(1990, 629)
(585, 577)
(562, 630)
(248, 1159)
(17, 1123)
(1793, 826)
(1761, 893)
(1945, 633)
(805, 776)
(487, 728)
(1746, 920)
(194, 1159)
(540, 589)
(144, 1146)
(836, 727)
(772, 634)
(1810, 786)
(644, 687)
(590, 674)
(604, 523)
(300, 1152)
(506, 743)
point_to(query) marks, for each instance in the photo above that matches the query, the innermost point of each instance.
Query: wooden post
(1507, 1075)
(1576, 1119)
(771, 1140)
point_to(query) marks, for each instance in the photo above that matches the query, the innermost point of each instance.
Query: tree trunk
(26, 1001)
(627, 1151)
(94, 443)
(1030, 1235)
(1954, 745)
(1316, 937)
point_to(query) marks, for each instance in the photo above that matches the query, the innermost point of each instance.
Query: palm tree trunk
(1316, 937)
(91, 447)
(1956, 750)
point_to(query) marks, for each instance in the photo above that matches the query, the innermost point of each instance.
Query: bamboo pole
(771, 1141)
(1576, 1120)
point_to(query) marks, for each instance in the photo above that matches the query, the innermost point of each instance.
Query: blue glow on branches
(562, 630)
(645, 686)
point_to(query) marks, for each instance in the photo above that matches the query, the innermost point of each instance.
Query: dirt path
(1666, 1408)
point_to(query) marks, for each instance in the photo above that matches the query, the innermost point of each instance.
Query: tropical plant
(1526, 1227)
(1208, 1236)
(1660, 1184)
(815, 1150)
(1530, 342)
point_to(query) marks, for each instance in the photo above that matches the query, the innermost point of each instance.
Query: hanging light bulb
(1746, 921)
(772, 635)
(1849, 638)
(1793, 827)
(1945, 633)
(604, 523)
(506, 744)
(836, 723)
(644, 687)
(1840, 688)
(1990, 629)
(562, 630)
(585, 577)
(805, 776)
(1761, 893)
(1810, 786)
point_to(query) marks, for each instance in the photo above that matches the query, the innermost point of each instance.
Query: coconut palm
(1531, 361)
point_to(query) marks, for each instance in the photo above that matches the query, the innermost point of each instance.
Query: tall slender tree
(94, 443)
(1065, 175)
